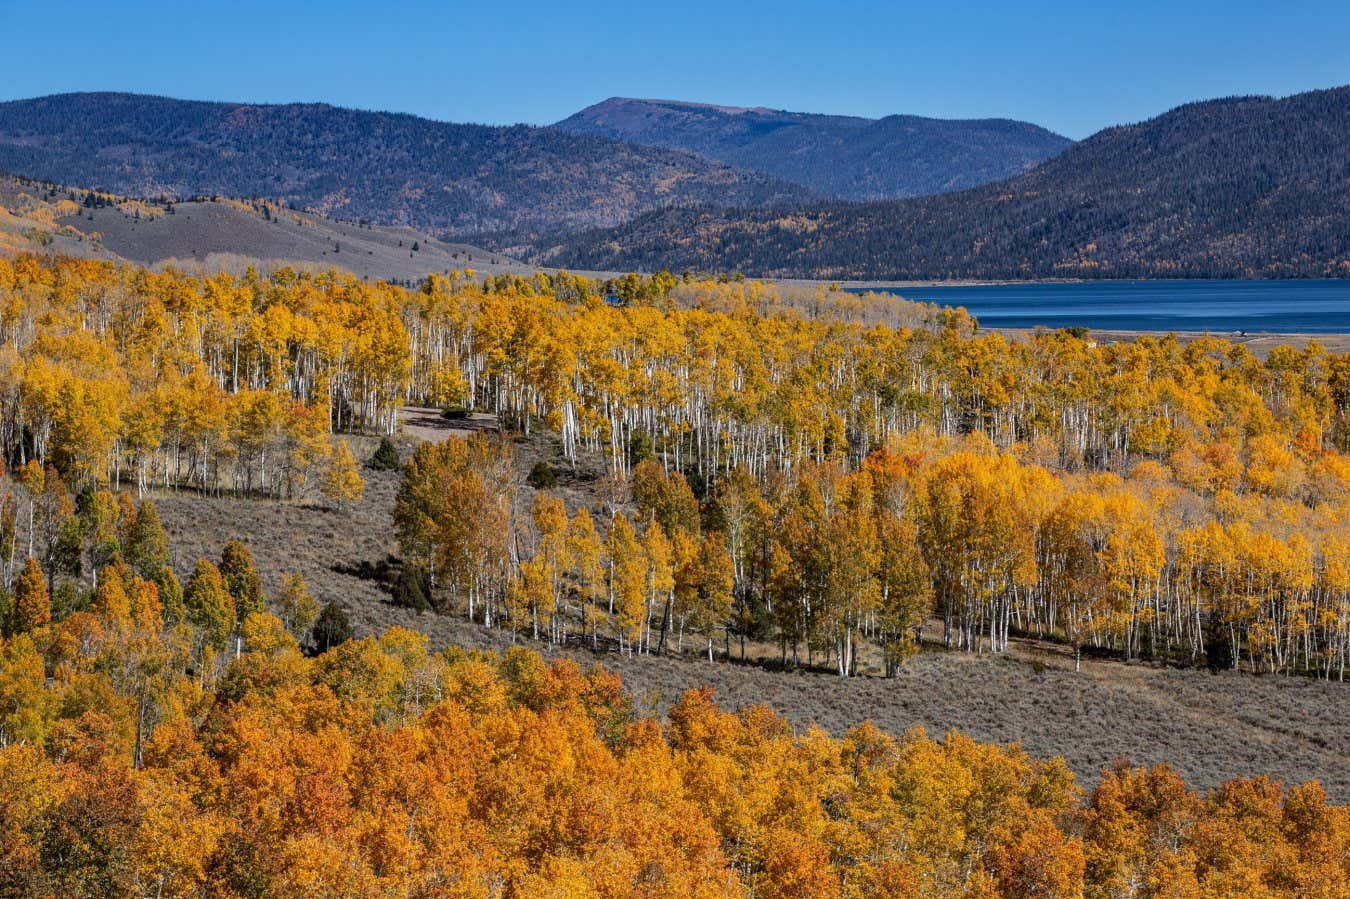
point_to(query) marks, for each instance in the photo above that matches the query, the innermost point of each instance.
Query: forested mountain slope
(1238, 187)
(392, 169)
(847, 157)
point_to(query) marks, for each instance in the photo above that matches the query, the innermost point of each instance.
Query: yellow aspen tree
(660, 579)
(342, 481)
(550, 518)
(32, 603)
(627, 581)
(33, 478)
(586, 552)
(299, 609)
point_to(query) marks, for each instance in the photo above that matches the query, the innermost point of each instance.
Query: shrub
(541, 476)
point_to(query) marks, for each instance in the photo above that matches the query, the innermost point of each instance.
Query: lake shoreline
(881, 285)
(1260, 344)
(1245, 311)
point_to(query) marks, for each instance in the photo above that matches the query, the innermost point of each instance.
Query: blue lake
(1221, 307)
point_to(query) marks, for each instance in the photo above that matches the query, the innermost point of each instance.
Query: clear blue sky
(1070, 66)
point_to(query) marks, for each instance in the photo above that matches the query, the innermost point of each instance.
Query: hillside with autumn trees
(729, 470)
(798, 477)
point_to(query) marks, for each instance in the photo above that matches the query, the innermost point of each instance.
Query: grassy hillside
(1241, 187)
(392, 169)
(32, 221)
(211, 235)
(839, 156)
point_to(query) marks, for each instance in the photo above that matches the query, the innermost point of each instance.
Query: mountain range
(387, 168)
(844, 157)
(1236, 187)
(592, 170)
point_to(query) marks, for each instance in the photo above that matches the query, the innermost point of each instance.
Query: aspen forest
(647, 469)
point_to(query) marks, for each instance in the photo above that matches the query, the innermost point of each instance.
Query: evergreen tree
(67, 597)
(385, 457)
(332, 628)
(66, 551)
(410, 590)
(640, 449)
(170, 594)
(541, 476)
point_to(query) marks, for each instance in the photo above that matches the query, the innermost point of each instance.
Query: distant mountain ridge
(844, 157)
(389, 168)
(1235, 187)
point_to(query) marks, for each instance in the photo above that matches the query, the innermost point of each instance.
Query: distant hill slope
(1239, 187)
(838, 156)
(388, 168)
(220, 235)
(30, 222)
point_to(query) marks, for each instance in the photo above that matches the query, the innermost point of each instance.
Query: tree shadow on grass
(383, 573)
